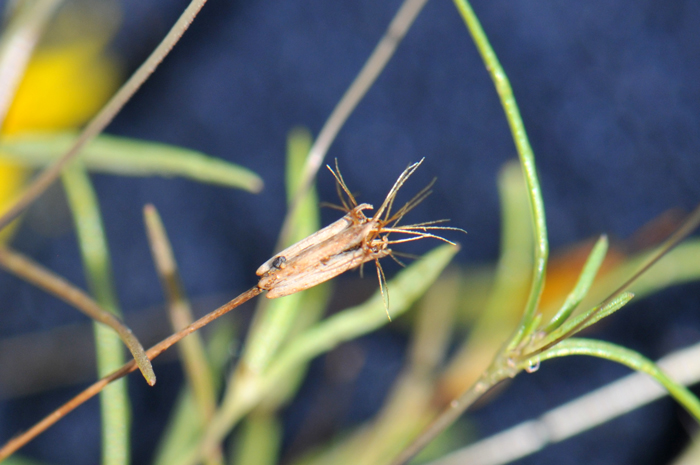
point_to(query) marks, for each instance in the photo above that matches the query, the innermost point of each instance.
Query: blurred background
(610, 95)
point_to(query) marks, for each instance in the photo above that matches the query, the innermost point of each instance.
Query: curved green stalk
(527, 159)
(627, 357)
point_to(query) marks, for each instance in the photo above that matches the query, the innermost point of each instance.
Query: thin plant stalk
(105, 116)
(456, 408)
(277, 320)
(688, 226)
(32, 272)
(20, 440)
(374, 65)
(114, 402)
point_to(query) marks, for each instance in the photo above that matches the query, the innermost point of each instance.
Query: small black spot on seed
(279, 262)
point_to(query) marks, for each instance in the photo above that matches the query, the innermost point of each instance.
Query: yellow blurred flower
(62, 88)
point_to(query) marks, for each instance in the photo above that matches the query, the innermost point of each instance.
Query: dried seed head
(348, 243)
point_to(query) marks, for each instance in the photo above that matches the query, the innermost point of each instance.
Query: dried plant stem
(377, 61)
(16, 443)
(32, 272)
(108, 112)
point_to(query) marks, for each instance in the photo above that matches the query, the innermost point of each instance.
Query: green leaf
(408, 286)
(114, 400)
(588, 274)
(260, 440)
(131, 157)
(586, 319)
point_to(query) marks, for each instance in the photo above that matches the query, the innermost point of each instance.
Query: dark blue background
(610, 95)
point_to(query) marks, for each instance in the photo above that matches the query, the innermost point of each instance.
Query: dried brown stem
(32, 272)
(16, 443)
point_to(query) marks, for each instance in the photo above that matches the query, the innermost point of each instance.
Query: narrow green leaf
(608, 309)
(584, 320)
(588, 274)
(184, 428)
(512, 277)
(114, 400)
(628, 358)
(130, 157)
(679, 266)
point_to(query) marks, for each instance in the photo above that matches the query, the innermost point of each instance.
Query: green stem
(195, 364)
(114, 401)
(527, 159)
(627, 357)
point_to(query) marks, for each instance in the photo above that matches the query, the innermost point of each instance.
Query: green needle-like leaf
(590, 270)
(586, 319)
(114, 400)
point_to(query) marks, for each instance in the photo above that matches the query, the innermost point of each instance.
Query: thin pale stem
(19, 441)
(115, 407)
(368, 74)
(105, 116)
